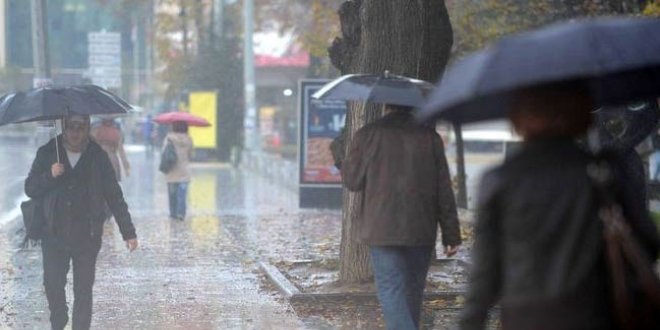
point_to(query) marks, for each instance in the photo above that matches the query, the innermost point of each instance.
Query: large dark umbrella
(386, 89)
(617, 58)
(49, 103)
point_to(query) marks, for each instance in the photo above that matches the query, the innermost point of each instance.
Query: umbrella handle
(57, 148)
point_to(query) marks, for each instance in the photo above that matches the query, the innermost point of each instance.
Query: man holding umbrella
(402, 170)
(74, 179)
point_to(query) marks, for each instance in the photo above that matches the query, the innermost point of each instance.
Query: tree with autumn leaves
(478, 22)
(414, 38)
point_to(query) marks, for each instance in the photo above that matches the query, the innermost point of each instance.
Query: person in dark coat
(620, 130)
(74, 192)
(539, 248)
(402, 170)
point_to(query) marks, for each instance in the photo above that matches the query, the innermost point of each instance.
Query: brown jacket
(402, 170)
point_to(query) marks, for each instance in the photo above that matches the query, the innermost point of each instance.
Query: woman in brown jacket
(179, 176)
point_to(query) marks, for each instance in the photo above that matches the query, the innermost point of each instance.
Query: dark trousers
(57, 258)
(400, 273)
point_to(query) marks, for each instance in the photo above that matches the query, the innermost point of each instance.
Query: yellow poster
(204, 104)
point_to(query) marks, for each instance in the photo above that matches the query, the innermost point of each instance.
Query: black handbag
(34, 220)
(168, 158)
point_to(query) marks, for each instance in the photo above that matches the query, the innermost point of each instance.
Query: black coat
(74, 203)
(634, 127)
(538, 242)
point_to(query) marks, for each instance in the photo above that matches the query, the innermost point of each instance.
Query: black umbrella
(617, 58)
(49, 103)
(386, 88)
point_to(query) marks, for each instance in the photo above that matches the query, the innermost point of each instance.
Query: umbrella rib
(371, 91)
(331, 85)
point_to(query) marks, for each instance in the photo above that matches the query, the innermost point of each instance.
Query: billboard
(320, 122)
(204, 104)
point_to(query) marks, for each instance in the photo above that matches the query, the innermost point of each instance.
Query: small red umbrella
(190, 119)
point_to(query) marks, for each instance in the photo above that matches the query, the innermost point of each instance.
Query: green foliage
(656, 215)
(652, 8)
(314, 22)
(323, 28)
(479, 22)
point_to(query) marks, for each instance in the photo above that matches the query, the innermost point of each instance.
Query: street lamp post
(40, 54)
(250, 123)
(41, 60)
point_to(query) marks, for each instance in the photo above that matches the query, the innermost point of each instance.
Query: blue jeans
(400, 273)
(177, 191)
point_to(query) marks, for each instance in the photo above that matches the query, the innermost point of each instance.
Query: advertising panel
(204, 104)
(320, 122)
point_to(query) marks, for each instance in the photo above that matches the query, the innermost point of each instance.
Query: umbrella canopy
(386, 89)
(49, 103)
(175, 116)
(617, 58)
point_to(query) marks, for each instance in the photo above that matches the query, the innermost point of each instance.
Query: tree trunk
(406, 37)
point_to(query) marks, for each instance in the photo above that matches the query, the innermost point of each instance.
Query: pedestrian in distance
(539, 249)
(74, 180)
(401, 168)
(622, 131)
(109, 136)
(178, 177)
(148, 134)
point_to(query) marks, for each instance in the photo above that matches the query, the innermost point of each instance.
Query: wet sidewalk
(198, 274)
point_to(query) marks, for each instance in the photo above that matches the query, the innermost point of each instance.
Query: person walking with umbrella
(74, 180)
(538, 247)
(402, 170)
(562, 238)
(178, 177)
(109, 136)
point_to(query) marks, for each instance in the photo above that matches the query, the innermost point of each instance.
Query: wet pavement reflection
(200, 273)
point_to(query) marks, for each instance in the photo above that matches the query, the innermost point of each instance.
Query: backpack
(168, 158)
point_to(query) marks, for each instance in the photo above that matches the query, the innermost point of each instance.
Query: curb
(293, 294)
(287, 288)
